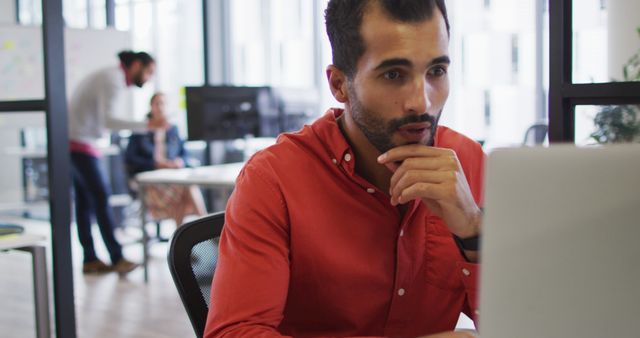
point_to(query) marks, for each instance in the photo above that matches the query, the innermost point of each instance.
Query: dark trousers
(92, 199)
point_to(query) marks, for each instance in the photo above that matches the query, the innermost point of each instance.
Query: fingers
(432, 178)
(445, 163)
(420, 190)
(439, 174)
(420, 171)
(399, 154)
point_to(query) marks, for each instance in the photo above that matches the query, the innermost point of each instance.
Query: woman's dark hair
(128, 57)
(343, 19)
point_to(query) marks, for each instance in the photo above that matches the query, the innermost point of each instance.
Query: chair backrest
(536, 134)
(193, 258)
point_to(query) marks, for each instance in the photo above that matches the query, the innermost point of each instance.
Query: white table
(221, 177)
(32, 244)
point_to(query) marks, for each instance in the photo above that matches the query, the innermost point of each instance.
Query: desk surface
(19, 241)
(23, 152)
(221, 175)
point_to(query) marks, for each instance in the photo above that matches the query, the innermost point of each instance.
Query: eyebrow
(405, 62)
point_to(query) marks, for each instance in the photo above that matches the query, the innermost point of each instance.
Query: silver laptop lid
(561, 243)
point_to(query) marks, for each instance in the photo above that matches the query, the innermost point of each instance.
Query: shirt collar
(339, 152)
(338, 149)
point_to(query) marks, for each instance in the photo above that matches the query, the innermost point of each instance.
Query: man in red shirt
(366, 222)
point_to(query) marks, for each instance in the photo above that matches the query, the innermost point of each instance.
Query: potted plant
(619, 124)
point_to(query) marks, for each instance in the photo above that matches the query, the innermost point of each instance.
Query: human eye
(438, 71)
(392, 75)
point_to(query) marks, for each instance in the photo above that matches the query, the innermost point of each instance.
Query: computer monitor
(228, 112)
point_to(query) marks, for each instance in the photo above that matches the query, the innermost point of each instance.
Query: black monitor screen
(224, 112)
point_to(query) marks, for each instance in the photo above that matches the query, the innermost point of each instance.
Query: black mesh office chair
(193, 257)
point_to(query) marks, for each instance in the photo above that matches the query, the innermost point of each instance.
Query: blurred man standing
(93, 112)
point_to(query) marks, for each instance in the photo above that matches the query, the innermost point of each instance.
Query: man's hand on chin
(435, 176)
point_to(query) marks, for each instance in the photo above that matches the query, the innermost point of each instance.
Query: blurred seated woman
(163, 149)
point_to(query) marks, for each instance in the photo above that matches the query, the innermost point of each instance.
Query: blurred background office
(500, 77)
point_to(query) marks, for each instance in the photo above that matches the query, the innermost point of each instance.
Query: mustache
(395, 124)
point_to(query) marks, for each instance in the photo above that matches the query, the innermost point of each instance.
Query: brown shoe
(96, 266)
(124, 266)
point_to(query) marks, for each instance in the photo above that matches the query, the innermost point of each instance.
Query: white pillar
(624, 41)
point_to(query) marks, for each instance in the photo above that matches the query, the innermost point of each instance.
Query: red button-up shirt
(311, 249)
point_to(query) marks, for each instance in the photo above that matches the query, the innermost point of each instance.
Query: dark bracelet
(468, 244)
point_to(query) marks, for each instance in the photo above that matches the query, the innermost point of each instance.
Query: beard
(138, 79)
(380, 132)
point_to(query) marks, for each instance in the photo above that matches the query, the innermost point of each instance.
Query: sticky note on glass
(8, 45)
(183, 98)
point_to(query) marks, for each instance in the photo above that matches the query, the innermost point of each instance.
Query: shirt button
(466, 272)
(401, 233)
(401, 292)
(334, 161)
(347, 157)
(371, 190)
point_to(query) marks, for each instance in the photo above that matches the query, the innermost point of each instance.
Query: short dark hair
(343, 19)
(128, 57)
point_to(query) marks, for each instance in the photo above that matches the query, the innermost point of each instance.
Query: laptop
(561, 243)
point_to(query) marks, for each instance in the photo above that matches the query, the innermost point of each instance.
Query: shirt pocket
(441, 256)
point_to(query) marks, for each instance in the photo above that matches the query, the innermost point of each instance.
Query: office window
(30, 12)
(590, 20)
(84, 13)
(607, 124)
(97, 14)
(292, 43)
(604, 37)
(250, 54)
(272, 43)
(76, 13)
(496, 77)
(171, 31)
(606, 41)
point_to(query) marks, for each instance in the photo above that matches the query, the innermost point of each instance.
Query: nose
(418, 101)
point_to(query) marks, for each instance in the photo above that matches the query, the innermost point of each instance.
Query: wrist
(468, 244)
(473, 225)
(468, 241)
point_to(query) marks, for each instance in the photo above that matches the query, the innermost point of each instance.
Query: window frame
(564, 95)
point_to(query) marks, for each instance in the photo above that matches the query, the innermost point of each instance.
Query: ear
(337, 83)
